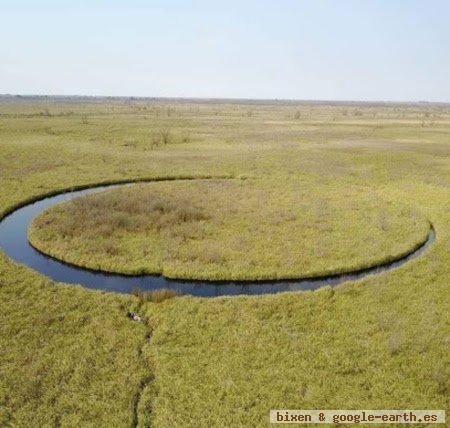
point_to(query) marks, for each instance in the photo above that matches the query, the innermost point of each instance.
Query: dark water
(14, 242)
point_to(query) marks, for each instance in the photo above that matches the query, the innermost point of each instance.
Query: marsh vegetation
(229, 229)
(71, 357)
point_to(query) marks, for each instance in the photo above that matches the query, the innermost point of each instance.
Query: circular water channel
(14, 242)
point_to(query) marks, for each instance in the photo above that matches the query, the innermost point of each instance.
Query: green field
(330, 187)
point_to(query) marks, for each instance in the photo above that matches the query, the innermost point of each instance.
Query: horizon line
(227, 99)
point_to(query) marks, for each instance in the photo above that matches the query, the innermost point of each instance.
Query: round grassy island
(228, 230)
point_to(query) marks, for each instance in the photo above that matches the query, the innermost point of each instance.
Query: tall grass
(71, 357)
(155, 296)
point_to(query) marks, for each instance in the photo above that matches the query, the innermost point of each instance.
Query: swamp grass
(229, 229)
(70, 357)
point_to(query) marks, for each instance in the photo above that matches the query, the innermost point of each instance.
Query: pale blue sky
(318, 49)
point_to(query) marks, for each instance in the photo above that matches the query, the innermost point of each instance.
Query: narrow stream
(14, 242)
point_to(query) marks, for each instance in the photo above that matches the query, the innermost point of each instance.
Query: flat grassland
(70, 357)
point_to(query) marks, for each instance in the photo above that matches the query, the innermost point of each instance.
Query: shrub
(165, 137)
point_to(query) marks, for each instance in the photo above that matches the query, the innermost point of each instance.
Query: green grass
(71, 357)
(68, 356)
(230, 229)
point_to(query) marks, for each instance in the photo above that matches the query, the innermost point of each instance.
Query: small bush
(161, 138)
(165, 137)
